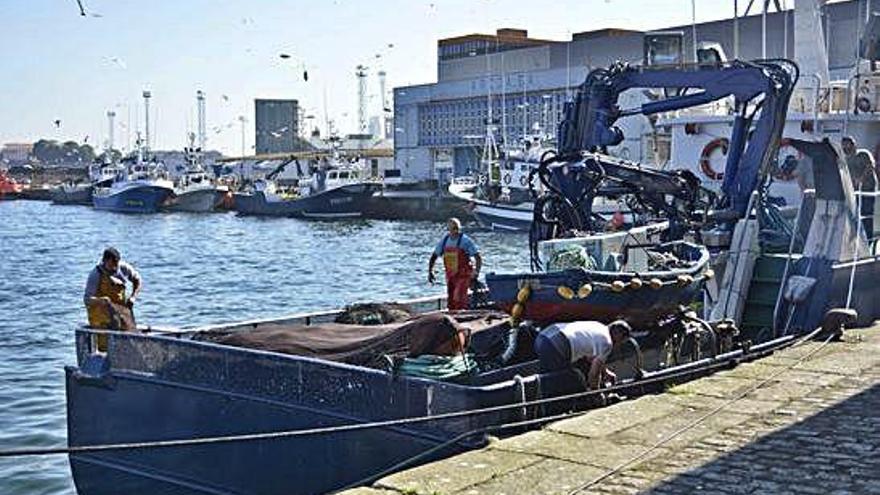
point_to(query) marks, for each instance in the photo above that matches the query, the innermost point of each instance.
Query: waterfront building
(519, 84)
(16, 153)
(276, 126)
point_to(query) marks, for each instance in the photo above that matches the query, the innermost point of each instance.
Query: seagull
(225, 98)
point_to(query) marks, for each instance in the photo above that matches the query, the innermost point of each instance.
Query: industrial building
(276, 126)
(520, 84)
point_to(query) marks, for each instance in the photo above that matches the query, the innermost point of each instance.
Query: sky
(58, 65)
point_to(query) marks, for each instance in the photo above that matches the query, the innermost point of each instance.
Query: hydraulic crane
(581, 169)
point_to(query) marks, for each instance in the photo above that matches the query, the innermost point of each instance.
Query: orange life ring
(705, 164)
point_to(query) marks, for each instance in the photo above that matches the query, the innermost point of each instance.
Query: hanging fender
(705, 157)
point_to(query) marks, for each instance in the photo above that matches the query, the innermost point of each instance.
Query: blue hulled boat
(138, 187)
(209, 382)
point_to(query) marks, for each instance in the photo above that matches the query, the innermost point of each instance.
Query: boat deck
(811, 429)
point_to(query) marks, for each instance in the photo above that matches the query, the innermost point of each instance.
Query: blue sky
(55, 64)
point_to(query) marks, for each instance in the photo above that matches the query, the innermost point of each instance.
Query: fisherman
(860, 163)
(105, 300)
(457, 250)
(583, 345)
(863, 174)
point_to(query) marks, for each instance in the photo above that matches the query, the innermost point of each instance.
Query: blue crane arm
(589, 121)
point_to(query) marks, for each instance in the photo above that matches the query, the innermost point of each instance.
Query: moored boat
(137, 188)
(329, 194)
(9, 187)
(71, 193)
(211, 382)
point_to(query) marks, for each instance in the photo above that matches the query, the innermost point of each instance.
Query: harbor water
(197, 269)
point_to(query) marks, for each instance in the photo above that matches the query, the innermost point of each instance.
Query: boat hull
(76, 196)
(503, 218)
(196, 201)
(349, 201)
(642, 307)
(150, 388)
(137, 199)
(643, 299)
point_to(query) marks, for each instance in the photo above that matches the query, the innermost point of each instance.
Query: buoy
(618, 286)
(635, 283)
(523, 295)
(565, 292)
(585, 291)
(709, 273)
(656, 283)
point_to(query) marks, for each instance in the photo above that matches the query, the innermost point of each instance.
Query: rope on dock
(661, 377)
(701, 419)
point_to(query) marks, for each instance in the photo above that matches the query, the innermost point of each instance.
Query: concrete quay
(814, 428)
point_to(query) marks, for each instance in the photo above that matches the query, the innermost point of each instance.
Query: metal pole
(735, 29)
(243, 144)
(147, 96)
(694, 27)
(200, 102)
(764, 30)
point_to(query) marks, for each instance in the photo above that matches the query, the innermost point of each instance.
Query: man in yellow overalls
(105, 300)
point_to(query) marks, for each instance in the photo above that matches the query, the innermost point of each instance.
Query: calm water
(197, 269)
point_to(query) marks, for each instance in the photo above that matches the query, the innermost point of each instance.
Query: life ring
(523, 180)
(506, 179)
(705, 157)
(779, 173)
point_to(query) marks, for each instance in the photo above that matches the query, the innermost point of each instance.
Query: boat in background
(194, 191)
(330, 192)
(139, 187)
(9, 187)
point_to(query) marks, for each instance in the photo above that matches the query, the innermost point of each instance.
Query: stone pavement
(814, 429)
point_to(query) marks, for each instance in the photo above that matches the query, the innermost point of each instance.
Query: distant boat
(138, 188)
(9, 188)
(332, 193)
(72, 193)
(194, 191)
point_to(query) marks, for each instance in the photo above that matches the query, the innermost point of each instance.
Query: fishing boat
(72, 193)
(606, 276)
(286, 374)
(9, 187)
(140, 187)
(194, 191)
(329, 193)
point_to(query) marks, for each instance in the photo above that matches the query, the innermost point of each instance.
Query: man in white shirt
(582, 344)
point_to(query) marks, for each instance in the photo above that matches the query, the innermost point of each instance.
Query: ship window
(343, 175)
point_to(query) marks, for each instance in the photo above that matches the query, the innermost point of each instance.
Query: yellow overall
(100, 315)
